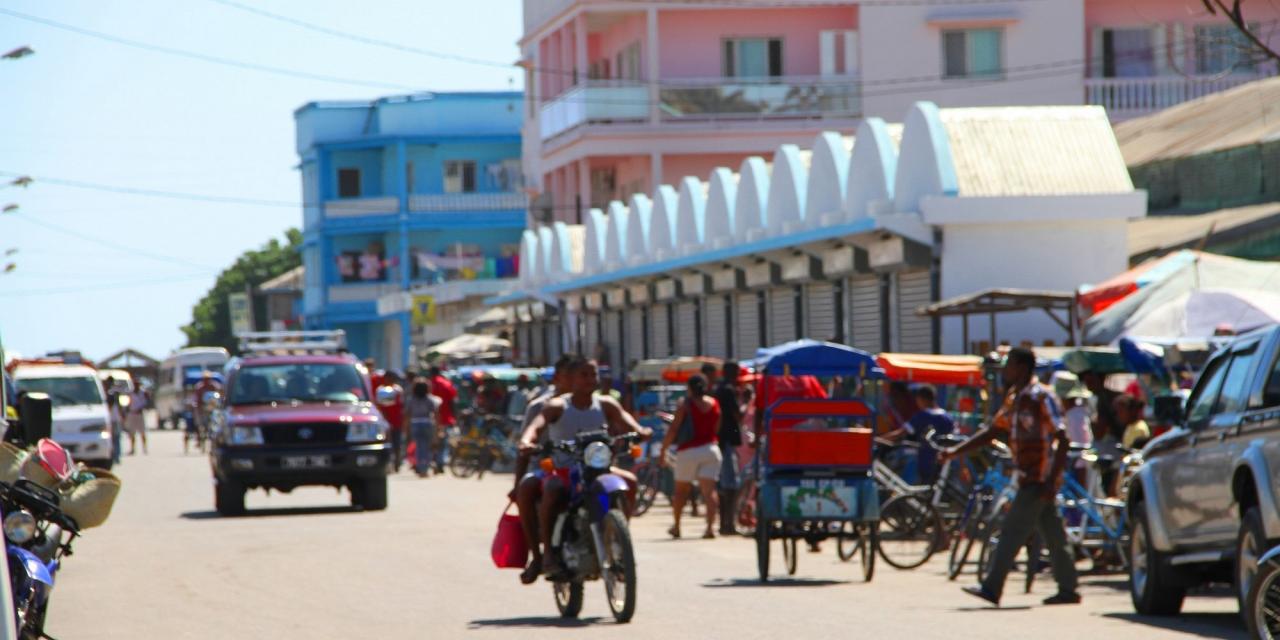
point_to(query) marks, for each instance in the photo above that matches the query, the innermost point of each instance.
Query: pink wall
(619, 36)
(1151, 13)
(676, 168)
(691, 40)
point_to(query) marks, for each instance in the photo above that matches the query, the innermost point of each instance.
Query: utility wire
(112, 245)
(193, 55)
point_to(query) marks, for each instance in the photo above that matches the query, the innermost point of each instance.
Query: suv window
(303, 382)
(1206, 394)
(1235, 386)
(1271, 394)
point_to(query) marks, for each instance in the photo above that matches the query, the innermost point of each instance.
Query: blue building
(413, 212)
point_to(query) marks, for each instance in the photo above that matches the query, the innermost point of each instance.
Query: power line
(193, 55)
(112, 245)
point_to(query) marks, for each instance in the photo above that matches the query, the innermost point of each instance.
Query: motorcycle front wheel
(568, 598)
(620, 578)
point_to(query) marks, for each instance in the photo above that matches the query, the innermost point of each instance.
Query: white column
(655, 171)
(584, 187)
(651, 63)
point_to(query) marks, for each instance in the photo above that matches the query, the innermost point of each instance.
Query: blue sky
(93, 111)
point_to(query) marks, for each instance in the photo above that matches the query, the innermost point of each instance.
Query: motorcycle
(591, 535)
(38, 534)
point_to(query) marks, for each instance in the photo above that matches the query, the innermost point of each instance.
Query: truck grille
(304, 434)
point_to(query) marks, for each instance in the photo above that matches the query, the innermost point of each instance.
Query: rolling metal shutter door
(865, 312)
(590, 333)
(538, 343)
(687, 329)
(747, 331)
(635, 334)
(714, 341)
(554, 331)
(915, 333)
(613, 337)
(781, 318)
(659, 335)
(820, 310)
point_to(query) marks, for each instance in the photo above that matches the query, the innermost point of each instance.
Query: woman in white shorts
(693, 431)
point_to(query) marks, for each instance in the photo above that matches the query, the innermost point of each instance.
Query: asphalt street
(306, 565)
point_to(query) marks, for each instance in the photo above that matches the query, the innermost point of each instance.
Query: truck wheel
(1149, 580)
(228, 498)
(370, 495)
(1251, 543)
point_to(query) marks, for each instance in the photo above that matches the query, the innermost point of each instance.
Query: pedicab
(813, 471)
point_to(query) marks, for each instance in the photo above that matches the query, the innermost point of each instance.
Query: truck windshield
(264, 384)
(64, 392)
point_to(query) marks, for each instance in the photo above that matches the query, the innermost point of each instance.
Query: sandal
(674, 532)
(708, 535)
(531, 572)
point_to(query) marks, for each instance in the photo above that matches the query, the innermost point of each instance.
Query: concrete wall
(691, 41)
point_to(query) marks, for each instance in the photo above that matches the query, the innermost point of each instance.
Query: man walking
(1039, 444)
(729, 439)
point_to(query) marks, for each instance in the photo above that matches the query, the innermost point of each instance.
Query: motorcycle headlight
(597, 455)
(246, 435)
(366, 432)
(19, 527)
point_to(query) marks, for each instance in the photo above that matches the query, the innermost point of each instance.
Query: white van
(177, 372)
(81, 420)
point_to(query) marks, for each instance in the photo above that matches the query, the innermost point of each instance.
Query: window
(349, 183)
(459, 176)
(64, 392)
(408, 177)
(1128, 53)
(1206, 393)
(1221, 47)
(1236, 385)
(971, 53)
(752, 57)
(627, 65)
(1271, 394)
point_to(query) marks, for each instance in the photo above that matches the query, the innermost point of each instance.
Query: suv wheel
(1251, 543)
(370, 494)
(228, 498)
(1149, 575)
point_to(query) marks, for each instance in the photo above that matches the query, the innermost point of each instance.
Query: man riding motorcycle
(562, 418)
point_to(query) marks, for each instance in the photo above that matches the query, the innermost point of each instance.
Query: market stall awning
(994, 301)
(932, 369)
(1096, 298)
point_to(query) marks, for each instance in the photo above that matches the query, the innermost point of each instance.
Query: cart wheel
(789, 555)
(762, 547)
(871, 548)
(847, 541)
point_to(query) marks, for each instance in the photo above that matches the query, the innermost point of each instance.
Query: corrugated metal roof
(290, 280)
(1247, 114)
(1015, 151)
(1154, 234)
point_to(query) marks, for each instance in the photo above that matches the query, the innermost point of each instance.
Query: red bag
(509, 549)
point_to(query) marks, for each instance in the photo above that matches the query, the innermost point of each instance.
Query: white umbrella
(1196, 314)
(469, 344)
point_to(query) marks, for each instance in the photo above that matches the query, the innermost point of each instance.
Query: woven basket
(31, 470)
(90, 502)
(11, 459)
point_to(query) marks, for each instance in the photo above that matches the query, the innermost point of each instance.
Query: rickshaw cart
(814, 468)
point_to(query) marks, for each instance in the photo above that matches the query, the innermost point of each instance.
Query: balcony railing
(360, 291)
(468, 202)
(359, 207)
(781, 97)
(1131, 97)
(597, 101)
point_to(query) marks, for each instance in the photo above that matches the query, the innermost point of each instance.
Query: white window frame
(455, 176)
(969, 74)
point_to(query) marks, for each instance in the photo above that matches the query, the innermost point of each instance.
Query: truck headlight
(246, 435)
(19, 527)
(598, 455)
(366, 432)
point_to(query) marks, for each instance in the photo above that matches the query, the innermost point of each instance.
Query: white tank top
(574, 421)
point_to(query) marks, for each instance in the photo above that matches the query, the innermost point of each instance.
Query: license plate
(305, 462)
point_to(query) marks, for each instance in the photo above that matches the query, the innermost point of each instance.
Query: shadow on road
(534, 622)
(776, 582)
(1205, 625)
(266, 513)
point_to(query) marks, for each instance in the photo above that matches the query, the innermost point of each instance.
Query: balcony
(597, 101)
(360, 292)
(468, 202)
(1126, 98)
(695, 99)
(347, 208)
(754, 98)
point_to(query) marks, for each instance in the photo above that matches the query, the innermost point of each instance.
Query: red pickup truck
(297, 420)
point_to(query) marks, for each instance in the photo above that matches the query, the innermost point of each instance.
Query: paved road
(306, 566)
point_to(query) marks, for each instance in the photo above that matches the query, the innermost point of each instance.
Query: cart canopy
(816, 358)
(1102, 360)
(932, 369)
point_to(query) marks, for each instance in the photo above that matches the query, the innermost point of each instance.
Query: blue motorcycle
(591, 535)
(37, 535)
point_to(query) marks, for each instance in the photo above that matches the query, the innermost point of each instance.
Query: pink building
(625, 95)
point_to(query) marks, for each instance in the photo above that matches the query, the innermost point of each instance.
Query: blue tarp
(192, 380)
(1142, 359)
(470, 370)
(816, 358)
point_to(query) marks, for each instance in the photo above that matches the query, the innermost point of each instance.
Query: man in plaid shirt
(1038, 441)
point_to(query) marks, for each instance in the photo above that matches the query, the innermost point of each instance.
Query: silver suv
(1204, 506)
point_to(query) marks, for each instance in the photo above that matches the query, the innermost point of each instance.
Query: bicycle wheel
(960, 550)
(909, 531)
(789, 558)
(849, 544)
(646, 487)
(462, 463)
